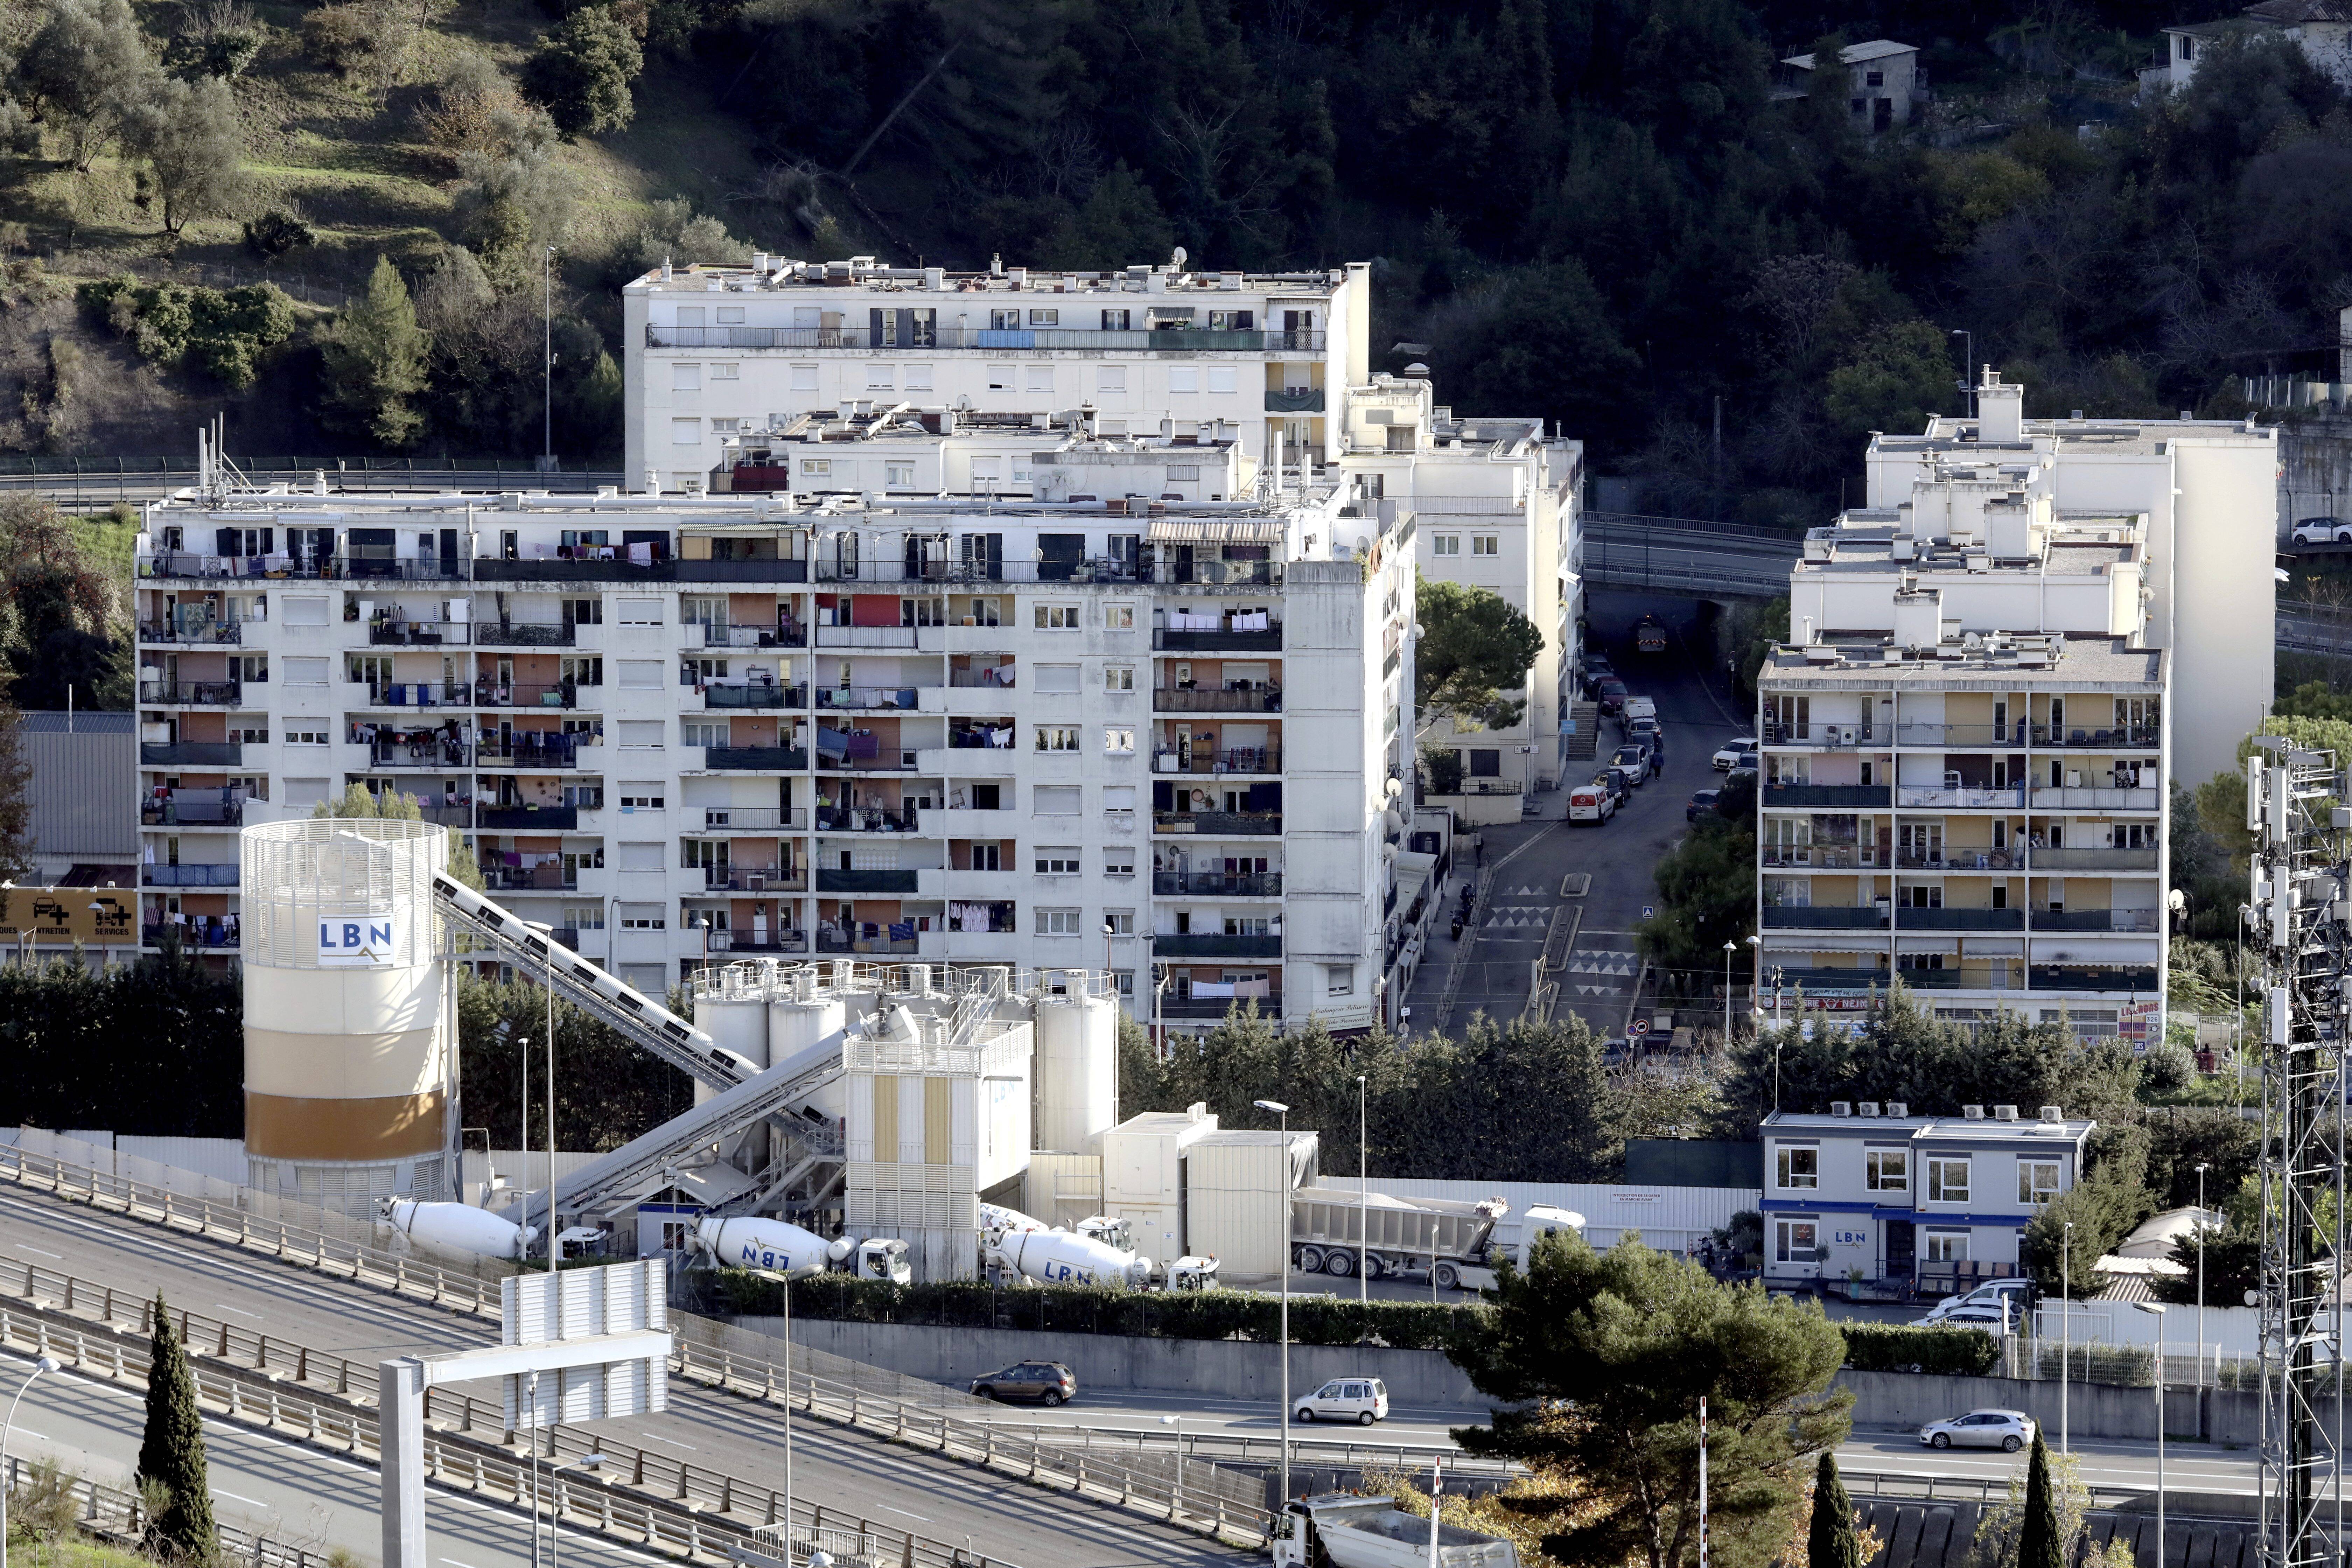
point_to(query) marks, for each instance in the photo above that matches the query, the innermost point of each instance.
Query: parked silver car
(2007, 1430)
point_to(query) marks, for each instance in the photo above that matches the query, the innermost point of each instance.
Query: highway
(853, 1472)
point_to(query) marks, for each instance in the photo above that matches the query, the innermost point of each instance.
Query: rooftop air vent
(1841, 1108)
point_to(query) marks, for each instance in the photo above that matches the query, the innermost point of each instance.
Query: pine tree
(1832, 1542)
(172, 1456)
(375, 355)
(2037, 1537)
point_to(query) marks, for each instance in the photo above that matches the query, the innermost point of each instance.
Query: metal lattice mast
(2301, 922)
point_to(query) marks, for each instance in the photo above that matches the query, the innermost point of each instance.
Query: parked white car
(1739, 754)
(1988, 1318)
(2007, 1430)
(2017, 1292)
(1362, 1400)
(2323, 531)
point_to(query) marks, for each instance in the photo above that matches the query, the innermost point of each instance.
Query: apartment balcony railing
(2095, 797)
(523, 633)
(987, 340)
(549, 878)
(190, 754)
(564, 569)
(1215, 945)
(2051, 977)
(1818, 856)
(750, 819)
(1218, 639)
(192, 693)
(1959, 735)
(207, 633)
(527, 818)
(1107, 570)
(2041, 860)
(1229, 760)
(1000, 678)
(1268, 1005)
(1184, 700)
(1824, 737)
(1914, 918)
(1961, 797)
(524, 694)
(405, 569)
(1301, 400)
(1780, 795)
(755, 759)
(184, 563)
(191, 808)
(896, 640)
(889, 698)
(1823, 916)
(759, 943)
(1961, 860)
(1218, 884)
(754, 880)
(2142, 920)
(722, 695)
(223, 874)
(419, 694)
(1231, 824)
(436, 753)
(556, 753)
(201, 932)
(419, 634)
(2131, 737)
(834, 879)
(867, 819)
(721, 633)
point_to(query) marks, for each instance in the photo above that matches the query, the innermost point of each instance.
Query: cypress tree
(172, 1454)
(1832, 1542)
(2037, 1536)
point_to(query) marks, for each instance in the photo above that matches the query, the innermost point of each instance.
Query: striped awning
(1214, 530)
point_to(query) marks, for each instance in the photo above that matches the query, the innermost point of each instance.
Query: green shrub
(1900, 1347)
(227, 334)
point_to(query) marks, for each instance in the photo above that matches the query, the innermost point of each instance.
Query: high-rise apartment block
(1996, 670)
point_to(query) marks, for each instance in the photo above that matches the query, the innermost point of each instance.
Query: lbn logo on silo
(355, 939)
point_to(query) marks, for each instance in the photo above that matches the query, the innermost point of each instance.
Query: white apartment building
(1968, 742)
(1497, 507)
(714, 350)
(1164, 738)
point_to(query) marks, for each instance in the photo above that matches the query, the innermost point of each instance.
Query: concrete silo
(350, 1061)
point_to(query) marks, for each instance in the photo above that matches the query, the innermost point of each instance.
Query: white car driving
(2323, 531)
(2007, 1430)
(1362, 1400)
(1739, 754)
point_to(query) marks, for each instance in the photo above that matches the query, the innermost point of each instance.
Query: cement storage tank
(1077, 1066)
(351, 1070)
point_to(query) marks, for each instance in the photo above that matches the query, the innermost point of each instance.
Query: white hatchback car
(1739, 754)
(2007, 1430)
(1362, 1400)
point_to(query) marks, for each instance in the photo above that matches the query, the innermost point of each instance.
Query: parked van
(1593, 803)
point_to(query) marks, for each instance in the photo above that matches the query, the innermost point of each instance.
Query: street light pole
(1282, 1239)
(1363, 1197)
(2066, 1332)
(547, 354)
(1729, 949)
(46, 1364)
(2157, 1308)
(2201, 1168)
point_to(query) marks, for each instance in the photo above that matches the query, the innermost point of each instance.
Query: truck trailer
(1351, 1531)
(1331, 1226)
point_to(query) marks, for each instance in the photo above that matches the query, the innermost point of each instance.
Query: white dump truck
(1352, 1532)
(1330, 1225)
(780, 1248)
(1539, 1221)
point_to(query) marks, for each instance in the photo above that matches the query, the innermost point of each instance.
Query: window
(1224, 378)
(816, 468)
(703, 731)
(1115, 321)
(1000, 378)
(1947, 1246)
(640, 674)
(1445, 545)
(300, 612)
(647, 796)
(686, 378)
(1118, 677)
(899, 476)
(1055, 679)
(1056, 800)
(1338, 979)
(1886, 1170)
(1046, 318)
(1057, 922)
(583, 917)
(686, 432)
(881, 377)
(803, 378)
(725, 372)
(585, 611)
(643, 917)
(1947, 1181)
(1184, 378)
(1797, 1168)
(641, 734)
(728, 316)
(1484, 764)
(299, 732)
(306, 672)
(1058, 862)
(1796, 1241)
(2037, 1180)
(1232, 320)
(1040, 378)
(1119, 618)
(641, 857)
(1118, 862)
(1486, 544)
(1057, 617)
(1110, 378)
(1057, 737)
(640, 612)
(582, 671)
(1121, 921)
(918, 378)
(1119, 740)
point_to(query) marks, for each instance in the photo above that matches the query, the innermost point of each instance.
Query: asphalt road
(293, 1493)
(1631, 557)
(853, 1472)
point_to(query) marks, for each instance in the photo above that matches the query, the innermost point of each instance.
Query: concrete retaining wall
(2093, 1410)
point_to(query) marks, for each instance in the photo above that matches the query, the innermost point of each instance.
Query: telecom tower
(2300, 920)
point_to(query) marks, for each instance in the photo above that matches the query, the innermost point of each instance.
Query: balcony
(834, 879)
(1823, 916)
(436, 753)
(527, 818)
(1215, 1007)
(1215, 945)
(880, 569)
(754, 880)
(747, 569)
(198, 931)
(1914, 918)
(2050, 977)
(521, 694)
(1961, 860)
(2130, 737)
(719, 634)
(1182, 700)
(560, 569)
(1818, 856)
(203, 633)
(400, 569)
(901, 639)
(1258, 636)
(1825, 737)
(191, 693)
(1777, 795)
(1229, 760)
(718, 696)
(867, 819)
(989, 339)
(556, 752)
(191, 754)
(419, 634)
(417, 694)
(757, 942)
(223, 874)
(543, 879)
(191, 808)
(755, 759)
(1000, 678)
(2093, 798)
(2042, 859)
(1295, 400)
(750, 819)
(1961, 798)
(889, 699)
(1222, 824)
(2142, 920)
(523, 633)
(1962, 736)
(1218, 884)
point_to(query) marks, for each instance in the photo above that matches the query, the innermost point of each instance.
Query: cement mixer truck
(776, 1247)
(1096, 1253)
(458, 1228)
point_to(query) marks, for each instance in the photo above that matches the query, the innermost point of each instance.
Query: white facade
(2322, 29)
(1884, 89)
(940, 730)
(711, 351)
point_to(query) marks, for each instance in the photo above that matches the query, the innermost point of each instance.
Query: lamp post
(46, 1364)
(555, 1497)
(2066, 1329)
(105, 953)
(1968, 370)
(2201, 1168)
(1363, 1199)
(2156, 1308)
(1729, 949)
(547, 356)
(1176, 1471)
(548, 933)
(1755, 977)
(1282, 1239)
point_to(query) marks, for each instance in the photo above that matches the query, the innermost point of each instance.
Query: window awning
(1946, 944)
(1214, 530)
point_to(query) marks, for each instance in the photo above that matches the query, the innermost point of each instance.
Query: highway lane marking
(671, 1441)
(38, 1436)
(26, 1247)
(918, 1518)
(239, 1497)
(225, 1307)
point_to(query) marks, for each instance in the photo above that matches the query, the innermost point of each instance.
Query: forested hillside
(1599, 211)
